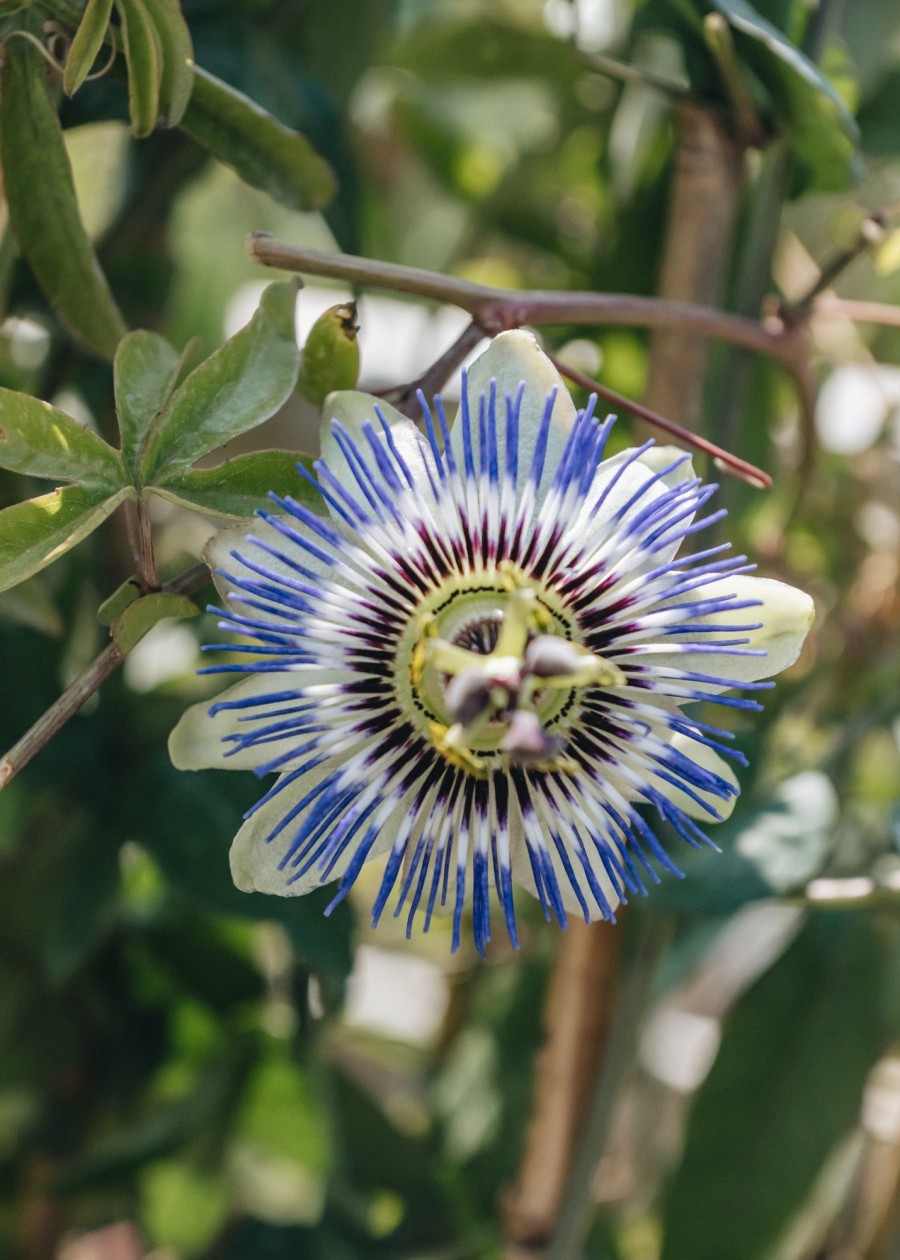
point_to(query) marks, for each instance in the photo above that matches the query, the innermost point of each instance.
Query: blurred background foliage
(239, 1078)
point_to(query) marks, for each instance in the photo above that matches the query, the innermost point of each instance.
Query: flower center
(493, 671)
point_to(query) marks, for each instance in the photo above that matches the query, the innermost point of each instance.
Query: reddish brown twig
(732, 463)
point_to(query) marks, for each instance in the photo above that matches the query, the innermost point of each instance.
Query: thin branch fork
(498, 310)
(81, 690)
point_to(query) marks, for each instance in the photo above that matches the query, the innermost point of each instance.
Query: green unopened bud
(331, 354)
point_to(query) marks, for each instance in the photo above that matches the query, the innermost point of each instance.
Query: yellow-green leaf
(235, 389)
(87, 43)
(240, 486)
(37, 439)
(35, 533)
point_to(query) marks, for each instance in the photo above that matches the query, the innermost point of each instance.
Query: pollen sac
(527, 743)
(470, 697)
(549, 655)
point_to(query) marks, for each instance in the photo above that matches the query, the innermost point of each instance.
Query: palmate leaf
(234, 390)
(801, 101)
(813, 116)
(240, 486)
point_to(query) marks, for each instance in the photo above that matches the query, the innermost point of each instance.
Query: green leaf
(114, 605)
(87, 43)
(144, 57)
(807, 107)
(237, 388)
(145, 371)
(177, 80)
(264, 152)
(141, 615)
(878, 117)
(240, 486)
(785, 1088)
(35, 533)
(37, 439)
(42, 207)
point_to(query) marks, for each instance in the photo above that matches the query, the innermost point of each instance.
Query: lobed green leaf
(234, 390)
(38, 440)
(86, 44)
(43, 210)
(145, 371)
(264, 152)
(240, 486)
(35, 533)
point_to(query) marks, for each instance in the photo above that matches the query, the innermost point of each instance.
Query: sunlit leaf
(237, 388)
(240, 486)
(35, 533)
(37, 439)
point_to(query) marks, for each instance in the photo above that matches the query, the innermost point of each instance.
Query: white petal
(353, 409)
(659, 457)
(785, 615)
(254, 861)
(707, 759)
(523, 874)
(510, 359)
(197, 742)
(217, 553)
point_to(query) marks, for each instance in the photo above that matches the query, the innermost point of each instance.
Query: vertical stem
(703, 206)
(651, 933)
(146, 559)
(577, 1020)
(729, 390)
